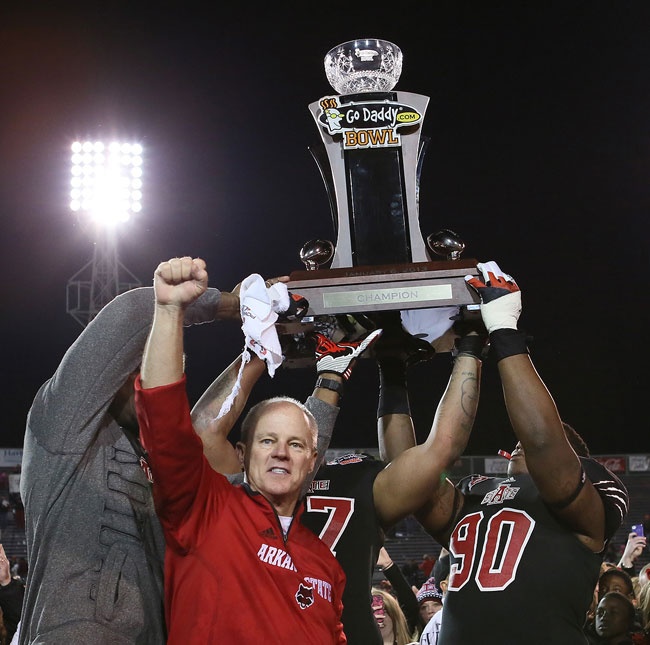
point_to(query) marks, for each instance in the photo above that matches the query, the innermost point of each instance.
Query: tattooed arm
(416, 480)
(214, 432)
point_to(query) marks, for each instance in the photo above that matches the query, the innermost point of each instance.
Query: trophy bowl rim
(354, 40)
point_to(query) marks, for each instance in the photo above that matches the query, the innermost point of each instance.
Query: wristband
(330, 384)
(507, 342)
(393, 393)
(471, 345)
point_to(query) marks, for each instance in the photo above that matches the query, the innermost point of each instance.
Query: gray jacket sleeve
(97, 364)
(325, 415)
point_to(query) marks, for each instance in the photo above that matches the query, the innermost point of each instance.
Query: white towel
(259, 308)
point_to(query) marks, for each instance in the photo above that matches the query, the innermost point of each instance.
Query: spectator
(12, 591)
(616, 580)
(614, 619)
(427, 564)
(400, 588)
(611, 581)
(432, 630)
(390, 619)
(644, 575)
(5, 514)
(633, 549)
(644, 608)
(429, 598)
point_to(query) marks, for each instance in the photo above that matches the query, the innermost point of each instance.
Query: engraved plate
(381, 296)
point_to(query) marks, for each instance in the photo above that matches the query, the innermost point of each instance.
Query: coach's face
(279, 455)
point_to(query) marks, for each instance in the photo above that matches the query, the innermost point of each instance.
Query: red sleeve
(187, 491)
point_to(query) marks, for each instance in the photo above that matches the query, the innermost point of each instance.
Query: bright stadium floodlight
(106, 180)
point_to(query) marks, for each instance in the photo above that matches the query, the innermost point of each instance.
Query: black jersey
(517, 574)
(341, 511)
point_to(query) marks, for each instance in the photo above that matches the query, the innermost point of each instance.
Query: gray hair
(255, 413)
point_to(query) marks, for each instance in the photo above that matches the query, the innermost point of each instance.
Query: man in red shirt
(239, 566)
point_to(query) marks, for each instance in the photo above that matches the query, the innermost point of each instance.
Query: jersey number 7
(340, 511)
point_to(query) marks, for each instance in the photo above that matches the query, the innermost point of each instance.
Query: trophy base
(415, 285)
(339, 299)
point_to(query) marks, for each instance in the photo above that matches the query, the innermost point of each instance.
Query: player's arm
(212, 429)
(395, 432)
(395, 352)
(551, 461)
(416, 481)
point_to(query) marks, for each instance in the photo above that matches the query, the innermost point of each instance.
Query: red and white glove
(339, 357)
(500, 297)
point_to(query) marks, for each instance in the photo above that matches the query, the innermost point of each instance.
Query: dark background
(540, 158)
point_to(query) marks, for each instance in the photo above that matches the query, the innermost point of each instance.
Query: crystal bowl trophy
(370, 158)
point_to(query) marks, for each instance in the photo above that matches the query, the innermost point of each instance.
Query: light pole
(106, 188)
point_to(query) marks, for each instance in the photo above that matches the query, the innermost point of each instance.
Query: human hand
(384, 560)
(5, 569)
(339, 358)
(633, 548)
(500, 297)
(180, 281)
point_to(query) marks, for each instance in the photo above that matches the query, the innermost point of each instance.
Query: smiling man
(239, 566)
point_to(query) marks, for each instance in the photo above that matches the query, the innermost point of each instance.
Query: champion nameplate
(394, 294)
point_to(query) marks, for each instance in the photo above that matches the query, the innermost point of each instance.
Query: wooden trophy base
(337, 294)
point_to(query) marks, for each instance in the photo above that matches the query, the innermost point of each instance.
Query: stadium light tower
(105, 188)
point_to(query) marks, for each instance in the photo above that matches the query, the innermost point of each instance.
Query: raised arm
(396, 351)
(100, 360)
(549, 458)
(323, 403)
(175, 453)
(415, 481)
(214, 431)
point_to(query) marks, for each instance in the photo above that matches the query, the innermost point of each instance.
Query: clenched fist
(180, 281)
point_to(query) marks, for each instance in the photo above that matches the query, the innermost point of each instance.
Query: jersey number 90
(493, 573)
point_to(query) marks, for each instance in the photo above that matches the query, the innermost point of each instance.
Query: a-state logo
(305, 596)
(501, 494)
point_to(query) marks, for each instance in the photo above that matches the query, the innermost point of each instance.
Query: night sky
(539, 122)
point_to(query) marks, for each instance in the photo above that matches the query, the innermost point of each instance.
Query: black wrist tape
(393, 393)
(472, 345)
(507, 342)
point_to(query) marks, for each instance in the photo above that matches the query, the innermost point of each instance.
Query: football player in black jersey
(353, 499)
(540, 532)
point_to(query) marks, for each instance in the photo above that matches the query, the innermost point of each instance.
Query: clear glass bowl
(363, 65)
